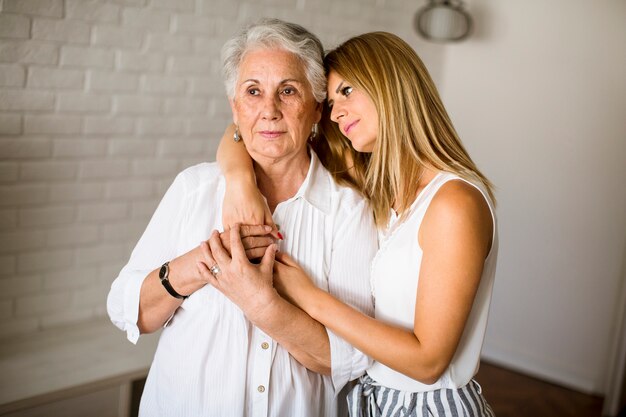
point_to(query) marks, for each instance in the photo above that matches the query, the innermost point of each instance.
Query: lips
(349, 127)
(270, 134)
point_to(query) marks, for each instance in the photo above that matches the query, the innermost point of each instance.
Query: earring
(237, 136)
(313, 134)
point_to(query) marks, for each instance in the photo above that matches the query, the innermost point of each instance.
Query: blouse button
(261, 388)
(265, 345)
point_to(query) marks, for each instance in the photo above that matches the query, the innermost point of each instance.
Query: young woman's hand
(243, 202)
(291, 281)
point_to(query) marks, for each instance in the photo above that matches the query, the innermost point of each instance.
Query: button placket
(265, 354)
(263, 364)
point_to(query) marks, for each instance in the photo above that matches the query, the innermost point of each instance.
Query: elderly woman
(236, 348)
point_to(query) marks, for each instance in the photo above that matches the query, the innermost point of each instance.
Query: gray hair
(275, 33)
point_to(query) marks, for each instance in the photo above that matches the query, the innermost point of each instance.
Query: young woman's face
(354, 112)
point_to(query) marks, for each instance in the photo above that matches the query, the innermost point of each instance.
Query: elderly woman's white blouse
(211, 361)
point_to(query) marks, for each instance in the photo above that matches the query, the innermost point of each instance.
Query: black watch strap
(164, 273)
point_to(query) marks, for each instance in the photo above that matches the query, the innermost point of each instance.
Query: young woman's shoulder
(458, 194)
(459, 208)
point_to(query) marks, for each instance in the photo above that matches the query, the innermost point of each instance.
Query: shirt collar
(316, 187)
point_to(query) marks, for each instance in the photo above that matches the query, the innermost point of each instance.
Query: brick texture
(28, 52)
(12, 26)
(102, 103)
(51, 8)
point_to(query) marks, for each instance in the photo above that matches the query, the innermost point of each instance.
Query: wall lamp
(443, 21)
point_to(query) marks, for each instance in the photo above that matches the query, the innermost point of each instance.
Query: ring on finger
(215, 269)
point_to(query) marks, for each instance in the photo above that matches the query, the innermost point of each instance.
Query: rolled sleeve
(123, 303)
(347, 362)
(353, 250)
(156, 245)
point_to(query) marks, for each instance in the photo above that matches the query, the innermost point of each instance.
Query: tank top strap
(423, 200)
(428, 193)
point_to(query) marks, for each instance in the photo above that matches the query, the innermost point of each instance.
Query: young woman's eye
(346, 91)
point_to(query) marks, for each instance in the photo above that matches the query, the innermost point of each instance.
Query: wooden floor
(512, 394)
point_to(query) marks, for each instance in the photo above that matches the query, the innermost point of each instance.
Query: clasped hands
(252, 286)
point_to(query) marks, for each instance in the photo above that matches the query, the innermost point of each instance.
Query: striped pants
(368, 399)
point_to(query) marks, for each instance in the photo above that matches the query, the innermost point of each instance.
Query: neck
(425, 177)
(280, 180)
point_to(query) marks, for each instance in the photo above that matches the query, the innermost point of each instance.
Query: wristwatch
(164, 272)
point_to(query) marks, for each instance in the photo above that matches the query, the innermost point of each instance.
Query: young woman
(433, 275)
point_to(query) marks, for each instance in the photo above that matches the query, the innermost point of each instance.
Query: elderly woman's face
(274, 104)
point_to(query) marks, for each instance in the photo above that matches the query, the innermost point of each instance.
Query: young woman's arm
(455, 237)
(243, 203)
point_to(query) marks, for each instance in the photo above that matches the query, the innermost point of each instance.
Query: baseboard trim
(530, 367)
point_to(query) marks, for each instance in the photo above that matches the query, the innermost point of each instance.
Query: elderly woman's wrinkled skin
(274, 106)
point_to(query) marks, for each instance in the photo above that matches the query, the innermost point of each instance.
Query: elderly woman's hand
(254, 238)
(245, 284)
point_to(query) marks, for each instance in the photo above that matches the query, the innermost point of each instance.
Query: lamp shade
(443, 21)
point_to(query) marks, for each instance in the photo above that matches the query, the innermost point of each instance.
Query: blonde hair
(414, 129)
(346, 165)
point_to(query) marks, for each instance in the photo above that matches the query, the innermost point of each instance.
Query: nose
(337, 112)
(271, 108)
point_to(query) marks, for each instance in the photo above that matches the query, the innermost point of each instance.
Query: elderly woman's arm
(137, 302)
(156, 305)
(243, 202)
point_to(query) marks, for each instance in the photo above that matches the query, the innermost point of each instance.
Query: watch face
(163, 271)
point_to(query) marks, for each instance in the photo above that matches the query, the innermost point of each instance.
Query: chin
(271, 153)
(363, 148)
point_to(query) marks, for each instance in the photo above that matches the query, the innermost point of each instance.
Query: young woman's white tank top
(395, 278)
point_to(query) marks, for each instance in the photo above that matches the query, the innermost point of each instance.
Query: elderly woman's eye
(253, 91)
(288, 91)
(346, 91)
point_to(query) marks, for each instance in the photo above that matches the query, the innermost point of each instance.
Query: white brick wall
(102, 102)
(28, 51)
(14, 26)
(12, 75)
